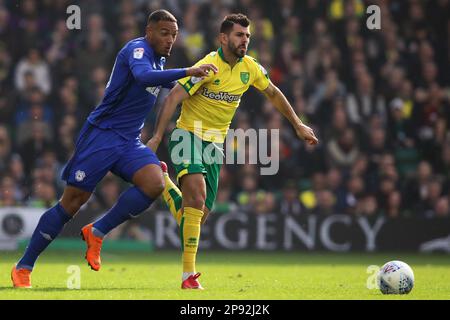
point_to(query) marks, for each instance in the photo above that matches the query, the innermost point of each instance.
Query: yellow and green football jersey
(214, 99)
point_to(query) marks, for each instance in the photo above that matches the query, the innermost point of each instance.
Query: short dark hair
(232, 19)
(160, 15)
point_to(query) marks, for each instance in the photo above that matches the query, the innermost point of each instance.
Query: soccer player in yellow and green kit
(208, 106)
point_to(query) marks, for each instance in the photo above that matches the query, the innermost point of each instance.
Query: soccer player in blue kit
(110, 141)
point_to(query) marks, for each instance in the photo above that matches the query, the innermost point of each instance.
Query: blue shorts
(98, 151)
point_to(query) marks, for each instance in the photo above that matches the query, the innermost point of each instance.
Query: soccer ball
(395, 277)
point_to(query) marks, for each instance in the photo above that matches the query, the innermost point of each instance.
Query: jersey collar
(220, 52)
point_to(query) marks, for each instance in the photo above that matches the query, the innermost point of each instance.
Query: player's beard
(166, 53)
(237, 51)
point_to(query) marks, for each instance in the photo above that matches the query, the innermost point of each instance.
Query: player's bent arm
(173, 99)
(278, 99)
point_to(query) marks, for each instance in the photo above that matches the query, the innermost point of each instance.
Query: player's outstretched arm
(278, 99)
(148, 77)
(173, 99)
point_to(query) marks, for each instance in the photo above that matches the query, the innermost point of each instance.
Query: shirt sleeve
(169, 85)
(192, 84)
(261, 81)
(142, 69)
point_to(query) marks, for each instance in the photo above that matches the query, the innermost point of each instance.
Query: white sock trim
(187, 275)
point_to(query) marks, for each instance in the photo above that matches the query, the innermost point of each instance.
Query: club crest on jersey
(138, 53)
(245, 76)
(80, 175)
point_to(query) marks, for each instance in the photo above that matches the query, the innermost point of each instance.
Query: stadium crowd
(379, 100)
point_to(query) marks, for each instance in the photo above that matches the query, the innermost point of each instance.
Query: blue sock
(49, 226)
(130, 204)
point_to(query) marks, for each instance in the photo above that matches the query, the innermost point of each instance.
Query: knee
(153, 189)
(196, 201)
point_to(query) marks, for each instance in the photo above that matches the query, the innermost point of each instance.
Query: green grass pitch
(225, 275)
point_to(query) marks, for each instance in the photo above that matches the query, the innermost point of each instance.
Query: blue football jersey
(132, 89)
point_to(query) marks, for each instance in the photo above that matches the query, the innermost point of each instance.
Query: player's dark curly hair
(231, 19)
(161, 15)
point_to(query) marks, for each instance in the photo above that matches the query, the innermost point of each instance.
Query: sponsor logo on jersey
(138, 53)
(153, 90)
(221, 96)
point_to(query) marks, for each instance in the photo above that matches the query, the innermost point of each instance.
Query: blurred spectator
(334, 181)
(6, 106)
(311, 159)
(290, 200)
(326, 203)
(67, 132)
(108, 192)
(327, 90)
(192, 36)
(264, 202)
(43, 195)
(355, 190)
(33, 64)
(5, 64)
(247, 197)
(95, 48)
(429, 197)
(223, 203)
(97, 80)
(10, 195)
(61, 44)
(17, 171)
(5, 147)
(34, 112)
(394, 205)
(338, 121)
(35, 145)
(364, 102)
(377, 145)
(367, 206)
(7, 31)
(416, 186)
(442, 208)
(443, 165)
(343, 150)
